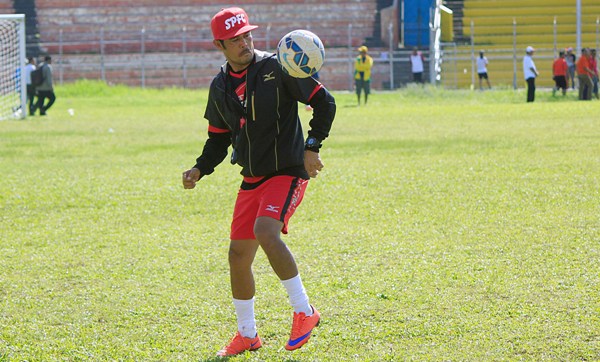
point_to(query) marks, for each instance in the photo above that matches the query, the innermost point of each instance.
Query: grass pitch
(447, 225)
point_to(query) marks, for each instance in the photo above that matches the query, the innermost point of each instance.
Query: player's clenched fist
(312, 163)
(190, 177)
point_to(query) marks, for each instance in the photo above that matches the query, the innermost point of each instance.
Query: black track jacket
(271, 141)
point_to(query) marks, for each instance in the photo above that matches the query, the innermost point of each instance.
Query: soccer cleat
(302, 328)
(240, 344)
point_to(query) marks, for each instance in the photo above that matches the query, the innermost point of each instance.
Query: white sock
(297, 294)
(244, 310)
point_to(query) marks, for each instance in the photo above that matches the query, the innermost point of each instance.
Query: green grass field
(446, 226)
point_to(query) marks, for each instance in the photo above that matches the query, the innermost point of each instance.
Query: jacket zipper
(247, 126)
(278, 132)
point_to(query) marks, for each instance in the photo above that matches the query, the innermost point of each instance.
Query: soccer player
(560, 70)
(253, 107)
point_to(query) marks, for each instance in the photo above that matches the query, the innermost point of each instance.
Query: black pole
(32, 35)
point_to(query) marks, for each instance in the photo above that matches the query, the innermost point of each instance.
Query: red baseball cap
(229, 23)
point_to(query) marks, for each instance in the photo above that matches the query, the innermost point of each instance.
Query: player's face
(238, 51)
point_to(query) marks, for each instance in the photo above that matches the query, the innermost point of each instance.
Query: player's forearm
(213, 153)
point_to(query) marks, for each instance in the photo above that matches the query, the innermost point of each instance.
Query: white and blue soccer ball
(300, 53)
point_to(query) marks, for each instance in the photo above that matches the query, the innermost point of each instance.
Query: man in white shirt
(30, 67)
(482, 63)
(530, 72)
(416, 63)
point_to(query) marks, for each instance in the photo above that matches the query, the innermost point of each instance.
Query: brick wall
(81, 28)
(6, 7)
(167, 69)
(82, 21)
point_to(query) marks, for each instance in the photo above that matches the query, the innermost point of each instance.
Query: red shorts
(276, 198)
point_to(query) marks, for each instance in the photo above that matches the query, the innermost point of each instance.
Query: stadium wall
(547, 25)
(196, 69)
(6, 7)
(168, 42)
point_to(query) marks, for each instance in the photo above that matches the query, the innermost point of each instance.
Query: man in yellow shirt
(362, 73)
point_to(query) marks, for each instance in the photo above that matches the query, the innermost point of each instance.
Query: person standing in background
(362, 73)
(585, 74)
(482, 72)
(571, 60)
(30, 67)
(594, 68)
(560, 69)
(46, 89)
(530, 72)
(416, 65)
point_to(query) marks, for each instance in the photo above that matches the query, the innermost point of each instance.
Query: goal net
(13, 90)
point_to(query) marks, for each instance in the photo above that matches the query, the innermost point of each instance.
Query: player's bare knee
(267, 234)
(240, 256)
(266, 238)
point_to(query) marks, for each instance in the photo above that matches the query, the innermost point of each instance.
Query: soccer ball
(300, 53)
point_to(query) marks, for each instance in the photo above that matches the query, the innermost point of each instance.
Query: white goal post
(13, 90)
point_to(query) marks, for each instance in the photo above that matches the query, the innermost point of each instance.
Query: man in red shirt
(585, 74)
(559, 73)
